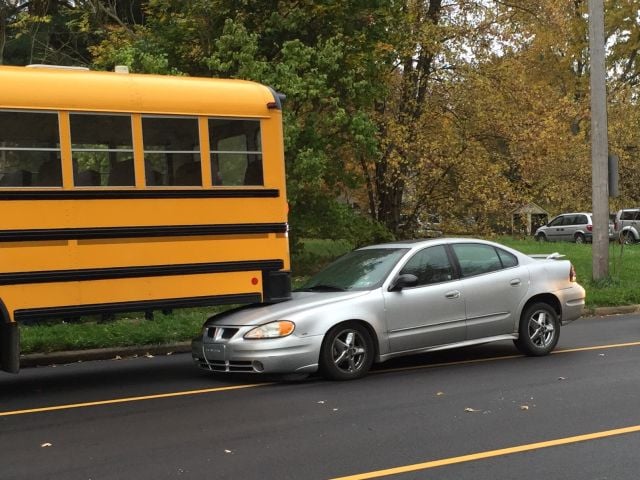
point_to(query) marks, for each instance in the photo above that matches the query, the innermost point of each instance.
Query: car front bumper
(279, 355)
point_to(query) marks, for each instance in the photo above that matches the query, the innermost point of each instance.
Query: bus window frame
(211, 152)
(130, 151)
(145, 151)
(58, 150)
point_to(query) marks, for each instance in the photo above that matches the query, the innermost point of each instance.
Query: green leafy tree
(323, 55)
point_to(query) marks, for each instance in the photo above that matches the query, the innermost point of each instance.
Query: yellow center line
(508, 357)
(130, 399)
(491, 453)
(597, 347)
(238, 387)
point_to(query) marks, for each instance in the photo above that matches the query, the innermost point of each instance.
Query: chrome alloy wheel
(349, 351)
(541, 329)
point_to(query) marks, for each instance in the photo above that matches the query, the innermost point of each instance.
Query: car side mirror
(403, 281)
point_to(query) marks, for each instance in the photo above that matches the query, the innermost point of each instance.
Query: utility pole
(599, 142)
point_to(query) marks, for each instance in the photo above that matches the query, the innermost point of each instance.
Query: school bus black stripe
(33, 315)
(106, 194)
(57, 276)
(44, 234)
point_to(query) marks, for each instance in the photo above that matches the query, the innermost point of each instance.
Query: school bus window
(236, 152)
(171, 151)
(29, 149)
(102, 150)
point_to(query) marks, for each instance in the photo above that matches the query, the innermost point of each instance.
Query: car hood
(300, 302)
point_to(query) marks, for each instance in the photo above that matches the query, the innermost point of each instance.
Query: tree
(325, 56)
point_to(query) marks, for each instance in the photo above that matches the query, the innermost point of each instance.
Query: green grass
(124, 331)
(622, 288)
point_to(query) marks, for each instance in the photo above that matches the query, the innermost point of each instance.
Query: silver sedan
(394, 299)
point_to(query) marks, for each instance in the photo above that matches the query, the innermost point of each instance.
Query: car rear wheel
(628, 238)
(579, 238)
(347, 352)
(539, 330)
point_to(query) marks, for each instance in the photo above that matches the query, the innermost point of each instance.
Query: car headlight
(278, 329)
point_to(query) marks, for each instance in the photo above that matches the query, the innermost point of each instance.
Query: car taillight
(572, 274)
(589, 228)
(617, 226)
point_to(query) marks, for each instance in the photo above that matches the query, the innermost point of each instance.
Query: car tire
(346, 352)
(539, 330)
(628, 238)
(541, 237)
(579, 238)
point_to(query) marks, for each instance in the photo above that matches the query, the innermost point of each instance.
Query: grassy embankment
(623, 288)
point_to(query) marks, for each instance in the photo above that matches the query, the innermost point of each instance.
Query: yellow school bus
(123, 192)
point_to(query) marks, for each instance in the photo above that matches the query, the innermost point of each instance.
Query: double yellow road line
(396, 470)
(239, 387)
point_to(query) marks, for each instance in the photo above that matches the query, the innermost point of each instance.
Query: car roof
(421, 242)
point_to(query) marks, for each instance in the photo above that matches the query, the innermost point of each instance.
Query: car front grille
(224, 333)
(225, 366)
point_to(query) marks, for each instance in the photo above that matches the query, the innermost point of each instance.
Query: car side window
(476, 259)
(508, 259)
(430, 265)
(581, 220)
(556, 222)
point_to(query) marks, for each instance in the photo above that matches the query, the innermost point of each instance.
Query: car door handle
(452, 294)
(515, 282)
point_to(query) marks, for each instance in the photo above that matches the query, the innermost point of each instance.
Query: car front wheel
(541, 237)
(539, 330)
(346, 353)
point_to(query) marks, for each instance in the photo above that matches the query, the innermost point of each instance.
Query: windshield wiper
(322, 288)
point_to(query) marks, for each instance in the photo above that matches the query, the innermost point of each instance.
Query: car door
(570, 225)
(493, 285)
(430, 313)
(555, 229)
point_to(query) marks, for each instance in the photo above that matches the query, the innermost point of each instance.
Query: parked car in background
(384, 301)
(570, 227)
(627, 225)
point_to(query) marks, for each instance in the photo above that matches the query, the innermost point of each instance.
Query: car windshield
(357, 270)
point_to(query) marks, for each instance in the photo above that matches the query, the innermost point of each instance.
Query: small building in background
(526, 219)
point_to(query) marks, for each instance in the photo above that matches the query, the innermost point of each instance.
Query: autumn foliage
(398, 113)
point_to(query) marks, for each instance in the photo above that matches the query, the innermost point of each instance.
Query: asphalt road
(478, 413)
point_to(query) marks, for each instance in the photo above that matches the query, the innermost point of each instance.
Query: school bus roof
(83, 90)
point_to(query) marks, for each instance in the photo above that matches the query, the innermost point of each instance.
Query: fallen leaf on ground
(46, 445)
(524, 407)
(469, 409)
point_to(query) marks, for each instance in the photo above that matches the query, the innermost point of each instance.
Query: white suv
(627, 225)
(569, 227)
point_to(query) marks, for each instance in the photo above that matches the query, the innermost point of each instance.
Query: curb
(75, 356)
(607, 311)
